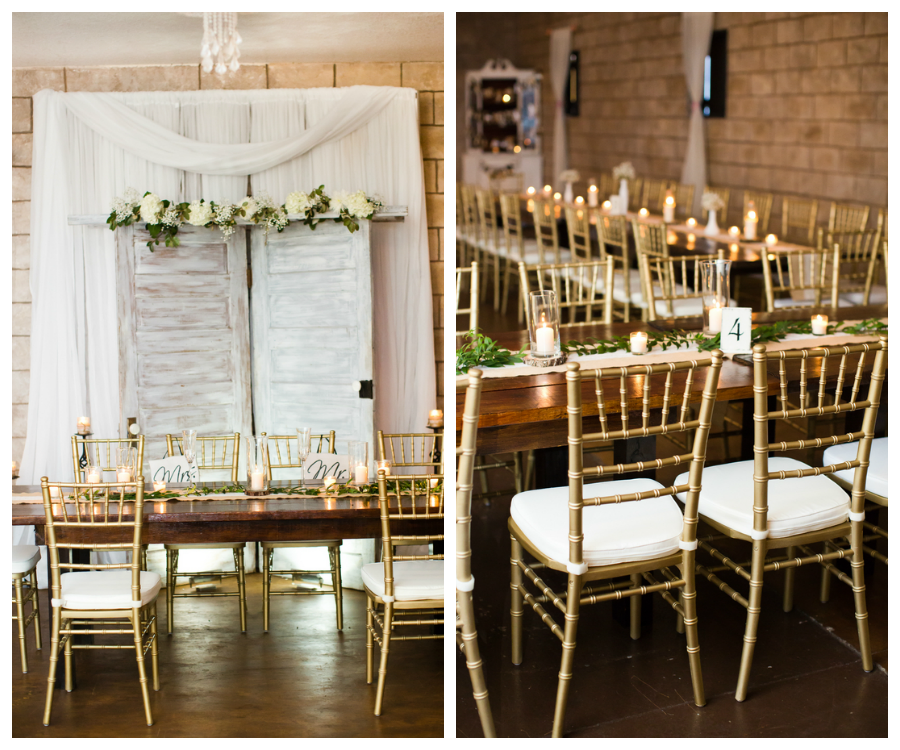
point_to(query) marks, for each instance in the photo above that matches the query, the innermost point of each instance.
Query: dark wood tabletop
(529, 412)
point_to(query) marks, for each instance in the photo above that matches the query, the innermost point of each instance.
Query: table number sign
(735, 335)
(317, 466)
(174, 470)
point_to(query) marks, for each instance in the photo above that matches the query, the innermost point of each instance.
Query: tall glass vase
(715, 284)
(257, 464)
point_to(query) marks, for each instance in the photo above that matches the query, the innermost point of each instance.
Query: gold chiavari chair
(747, 500)
(581, 288)
(403, 586)
(547, 233)
(798, 220)
(612, 234)
(762, 203)
(461, 228)
(843, 217)
(721, 216)
(466, 633)
(804, 278)
(635, 193)
(220, 454)
(673, 285)
(622, 529)
(506, 181)
(489, 238)
(608, 186)
(859, 265)
(411, 449)
(650, 240)
(578, 224)
(470, 245)
(102, 452)
(518, 249)
(281, 457)
(99, 594)
(684, 198)
(462, 276)
(653, 194)
(25, 559)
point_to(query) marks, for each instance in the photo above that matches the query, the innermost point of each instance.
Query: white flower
(359, 206)
(570, 175)
(297, 203)
(339, 200)
(250, 207)
(199, 214)
(171, 219)
(132, 196)
(151, 206)
(712, 201)
(624, 171)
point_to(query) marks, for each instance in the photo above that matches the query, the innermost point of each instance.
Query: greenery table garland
(482, 351)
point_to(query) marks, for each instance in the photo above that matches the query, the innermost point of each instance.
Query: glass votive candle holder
(607, 205)
(639, 342)
(159, 486)
(819, 325)
(435, 418)
(543, 329)
(359, 461)
(734, 232)
(94, 475)
(15, 468)
(771, 240)
(84, 425)
(330, 483)
(644, 212)
(385, 466)
(123, 473)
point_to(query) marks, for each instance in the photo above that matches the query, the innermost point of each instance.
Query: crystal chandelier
(220, 43)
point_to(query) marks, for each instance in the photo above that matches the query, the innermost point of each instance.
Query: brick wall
(426, 77)
(806, 102)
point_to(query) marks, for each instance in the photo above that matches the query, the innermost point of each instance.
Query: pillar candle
(715, 319)
(257, 481)
(638, 342)
(361, 474)
(819, 325)
(544, 340)
(593, 196)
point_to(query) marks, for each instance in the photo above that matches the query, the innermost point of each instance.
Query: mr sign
(317, 466)
(174, 470)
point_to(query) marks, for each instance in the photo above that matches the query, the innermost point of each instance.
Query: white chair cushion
(782, 302)
(414, 580)
(634, 287)
(622, 532)
(876, 476)
(105, 589)
(795, 505)
(207, 545)
(877, 296)
(24, 557)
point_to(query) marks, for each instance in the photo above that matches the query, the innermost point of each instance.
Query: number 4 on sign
(736, 330)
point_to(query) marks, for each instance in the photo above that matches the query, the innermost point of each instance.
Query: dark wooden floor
(302, 679)
(807, 679)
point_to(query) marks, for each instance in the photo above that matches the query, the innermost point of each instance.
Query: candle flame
(579, 199)
(593, 188)
(607, 204)
(670, 201)
(531, 190)
(691, 222)
(548, 189)
(751, 215)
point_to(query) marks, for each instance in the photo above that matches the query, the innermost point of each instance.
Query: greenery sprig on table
(482, 351)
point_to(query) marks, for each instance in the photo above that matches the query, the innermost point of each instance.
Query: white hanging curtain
(696, 32)
(560, 49)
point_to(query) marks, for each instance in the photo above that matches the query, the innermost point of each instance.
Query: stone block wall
(426, 77)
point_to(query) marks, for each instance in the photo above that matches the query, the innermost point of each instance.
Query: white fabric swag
(696, 32)
(88, 148)
(560, 48)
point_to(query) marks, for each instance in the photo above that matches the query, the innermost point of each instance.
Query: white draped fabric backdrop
(216, 145)
(696, 32)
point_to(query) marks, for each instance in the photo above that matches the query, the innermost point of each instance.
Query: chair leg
(54, 658)
(67, 654)
(573, 604)
(635, 602)
(36, 609)
(515, 606)
(496, 259)
(142, 669)
(857, 564)
(20, 616)
(267, 582)
(753, 610)
(689, 606)
(338, 588)
(506, 287)
(517, 471)
(385, 648)
(825, 584)
(679, 620)
(154, 648)
(788, 602)
(242, 588)
(370, 641)
(171, 570)
(474, 662)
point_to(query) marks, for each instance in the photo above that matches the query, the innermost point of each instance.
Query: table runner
(626, 359)
(35, 498)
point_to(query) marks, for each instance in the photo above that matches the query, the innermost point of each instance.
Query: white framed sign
(735, 336)
(317, 466)
(174, 470)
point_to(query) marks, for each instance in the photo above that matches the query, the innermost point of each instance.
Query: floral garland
(164, 218)
(482, 351)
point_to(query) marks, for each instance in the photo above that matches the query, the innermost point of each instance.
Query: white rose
(151, 206)
(250, 207)
(199, 214)
(297, 203)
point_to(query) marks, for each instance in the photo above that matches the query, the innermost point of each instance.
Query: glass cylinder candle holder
(359, 461)
(819, 325)
(715, 285)
(669, 208)
(257, 464)
(543, 329)
(435, 418)
(385, 466)
(84, 425)
(593, 193)
(639, 342)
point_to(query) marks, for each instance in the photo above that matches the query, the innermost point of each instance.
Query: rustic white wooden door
(184, 342)
(311, 318)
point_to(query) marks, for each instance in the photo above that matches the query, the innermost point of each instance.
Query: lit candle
(734, 232)
(544, 340)
(692, 222)
(579, 200)
(15, 468)
(715, 318)
(84, 425)
(93, 475)
(644, 212)
(547, 190)
(734, 247)
(557, 197)
(638, 342)
(531, 190)
(669, 209)
(819, 325)
(330, 482)
(607, 205)
(123, 475)
(257, 479)
(54, 492)
(530, 206)
(159, 486)
(750, 225)
(385, 466)
(593, 195)
(771, 240)
(435, 418)
(691, 237)
(433, 482)
(361, 474)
